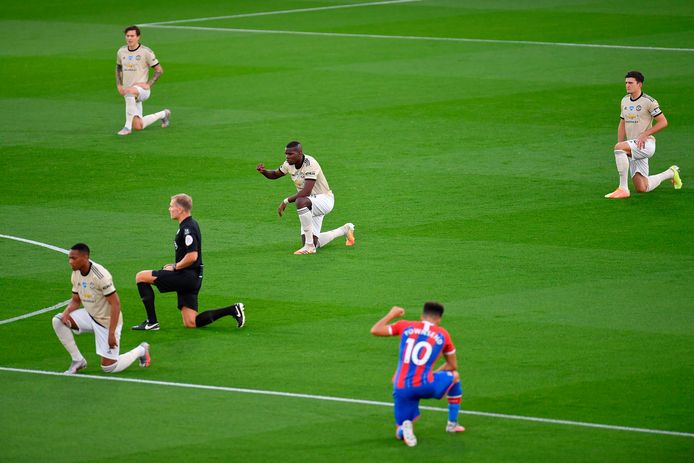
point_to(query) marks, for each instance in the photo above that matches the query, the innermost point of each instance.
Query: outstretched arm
(381, 326)
(271, 174)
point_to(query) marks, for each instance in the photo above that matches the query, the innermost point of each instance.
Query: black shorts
(186, 283)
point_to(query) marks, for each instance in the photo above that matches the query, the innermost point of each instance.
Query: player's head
(633, 82)
(180, 205)
(132, 35)
(635, 75)
(432, 311)
(78, 257)
(293, 152)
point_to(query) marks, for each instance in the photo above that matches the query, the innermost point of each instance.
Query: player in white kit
(133, 62)
(635, 141)
(92, 287)
(313, 198)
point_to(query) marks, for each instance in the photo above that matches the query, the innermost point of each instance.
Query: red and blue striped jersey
(421, 344)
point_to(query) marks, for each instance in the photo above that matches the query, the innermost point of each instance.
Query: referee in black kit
(184, 276)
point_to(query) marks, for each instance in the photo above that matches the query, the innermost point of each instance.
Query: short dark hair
(80, 247)
(433, 308)
(636, 75)
(294, 144)
(132, 28)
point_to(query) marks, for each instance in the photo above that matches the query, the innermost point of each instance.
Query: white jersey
(136, 64)
(92, 289)
(638, 114)
(309, 170)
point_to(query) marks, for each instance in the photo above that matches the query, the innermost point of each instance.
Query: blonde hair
(183, 200)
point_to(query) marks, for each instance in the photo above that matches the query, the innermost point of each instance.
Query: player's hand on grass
(281, 209)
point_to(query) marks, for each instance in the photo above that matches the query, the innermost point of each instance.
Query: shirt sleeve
(190, 241)
(654, 109)
(74, 284)
(107, 286)
(448, 347)
(284, 168)
(118, 61)
(312, 171)
(396, 328)
(151, 59)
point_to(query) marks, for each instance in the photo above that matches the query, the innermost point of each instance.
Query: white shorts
(87, 324)
(142, 94)
(321, 205)
(638, 161)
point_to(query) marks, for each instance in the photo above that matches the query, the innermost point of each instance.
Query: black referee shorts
(186, 283)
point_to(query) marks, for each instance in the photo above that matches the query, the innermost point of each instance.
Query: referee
(184, 276)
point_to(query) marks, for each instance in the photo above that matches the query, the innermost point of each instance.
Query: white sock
(306, 219)
(124, 360)
(622, 162)
(66, 338)
(326, 237)
(655, 180)
(130, 111)
(152, 118)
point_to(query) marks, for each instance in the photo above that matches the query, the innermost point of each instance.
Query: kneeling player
(421, 344)
(92, 286)
(184, 276)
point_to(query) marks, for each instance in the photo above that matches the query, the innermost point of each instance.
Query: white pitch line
(268, 13)
(348, 400)
(417, 37)
(38, 312)
(36, 243)
(47, 309)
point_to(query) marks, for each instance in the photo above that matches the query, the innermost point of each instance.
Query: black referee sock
(147, 296)
(209, 316)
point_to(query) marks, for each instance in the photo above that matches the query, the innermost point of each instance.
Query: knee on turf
(109, 368)
(137, 123)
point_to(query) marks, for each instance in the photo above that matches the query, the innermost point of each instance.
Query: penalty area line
(347, 400)
(418, 38)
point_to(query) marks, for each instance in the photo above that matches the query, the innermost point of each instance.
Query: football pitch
(470, 143)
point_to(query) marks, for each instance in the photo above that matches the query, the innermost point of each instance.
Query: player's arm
(381, 326)
(114, 301)
(450, 363)
(621, 131)
(660, 124)
(305, 191)
(189, 259)
(271, 174)
(158, 71)
(119, 79)
(74, 304)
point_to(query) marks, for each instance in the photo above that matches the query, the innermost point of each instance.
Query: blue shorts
(407, 399)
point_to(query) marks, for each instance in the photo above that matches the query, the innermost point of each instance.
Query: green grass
(474, 172)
